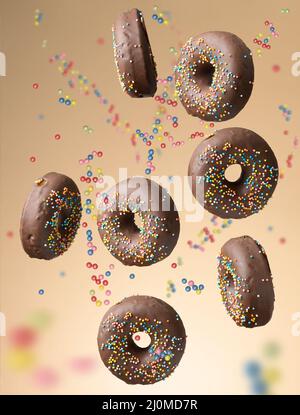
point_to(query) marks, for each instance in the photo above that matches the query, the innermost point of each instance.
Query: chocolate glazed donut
(256, 184)
(245, 282)
(123, 357)
(133, 55)
(214, 76)
(51, 216)
(147, 242)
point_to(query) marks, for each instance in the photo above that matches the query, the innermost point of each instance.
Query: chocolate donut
(256, 184)
(147, 242)
(133, 56)
(50, 217)
(214, 76)
(121, 354)
(245, 282)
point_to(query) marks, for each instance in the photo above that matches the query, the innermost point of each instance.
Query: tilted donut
(257, 182)
(154, 238)
(245, 282)
(51, 216)
(133, 55)
(120, 353)
(214, 76)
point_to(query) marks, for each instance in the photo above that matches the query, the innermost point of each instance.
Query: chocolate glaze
(246, 283)
(158, 232)
(133, 55)
(125, 359)
(51, 216)
(258, 180)
(214, 76)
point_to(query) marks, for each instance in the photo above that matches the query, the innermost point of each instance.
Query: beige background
(216, 348)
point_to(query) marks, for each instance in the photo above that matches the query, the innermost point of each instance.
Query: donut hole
(141, 339)
(233, 173)
(127, 223)
(204, 74)
(138, 221)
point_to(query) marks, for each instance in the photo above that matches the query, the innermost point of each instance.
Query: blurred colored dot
(41, 292)
(45, 377)
(259, 387)
(174, 265)
(271, 375)
(22, 337)
(40, 319)
(253, 369)
(35, 85)
(57, 136)
(132, 276)
(20, 359)
(272, 349)
(275, 68)
(32, 159)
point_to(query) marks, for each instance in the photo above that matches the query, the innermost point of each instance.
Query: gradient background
(216, 349)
